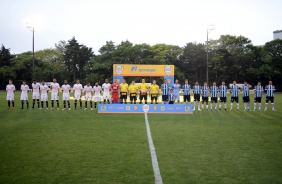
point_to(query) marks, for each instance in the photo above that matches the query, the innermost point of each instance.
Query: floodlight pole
(208, 32)
(32, 30)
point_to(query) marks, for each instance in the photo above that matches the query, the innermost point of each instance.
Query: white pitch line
(156, 169)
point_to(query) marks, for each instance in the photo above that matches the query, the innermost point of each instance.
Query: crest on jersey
(167, 70)
(119, 69)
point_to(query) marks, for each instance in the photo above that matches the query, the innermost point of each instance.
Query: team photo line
(120, 93)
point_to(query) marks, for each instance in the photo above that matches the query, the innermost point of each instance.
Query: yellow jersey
(143, 88)
(132, 88)
(123, 88)
(154, 89)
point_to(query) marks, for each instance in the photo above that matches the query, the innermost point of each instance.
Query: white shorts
(88, 97)
(35, 95)
(106, 96)
(24, 96)
(77, 97)
(54, 96)
(10, 97)
(97, 98)
(44, 97)
(176, 97)
(66, 96)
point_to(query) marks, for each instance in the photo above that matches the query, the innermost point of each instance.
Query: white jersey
(88, 90)
(55, 87)
(66, 88)
(77, 89)
(10, 88)
(43, 89)
(35, 88)
(97, 93)
(106, 87)
(24, 89)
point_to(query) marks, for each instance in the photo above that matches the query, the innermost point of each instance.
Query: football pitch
(55, 146)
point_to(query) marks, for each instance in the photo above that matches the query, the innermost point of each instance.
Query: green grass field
(86, 147)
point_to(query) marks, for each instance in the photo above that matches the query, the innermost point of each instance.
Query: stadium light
(209, 29)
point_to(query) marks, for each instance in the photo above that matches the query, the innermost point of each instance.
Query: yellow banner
(143, 70)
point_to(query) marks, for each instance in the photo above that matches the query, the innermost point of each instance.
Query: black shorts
(196, 97)
(222, 99)
(270, 98)
(246, 99)
(205, 99)
(258, 100)
(123, 95)
(154, 97)
(164, 97)
(214, 99)
(133, 96)
(236, 99)
(186, 98)
(171, 102)
(143, 97)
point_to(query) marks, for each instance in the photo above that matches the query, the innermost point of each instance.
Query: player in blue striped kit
(165, 90)
(222, 94)
(214, 94)
(234, 90)
(258, 90)
(205, 95)
(246, 95)
(186, 92)
(171, 97)
(269, 95)
(197, 92)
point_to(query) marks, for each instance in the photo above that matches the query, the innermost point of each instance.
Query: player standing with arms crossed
(165, 91)
(66, 94)
(234, 90)
(10, 88)
(88, 95)
(55, 93)
(222, 94)
(197, 92)
(269, 95)
(176, 89)
(123, 87)
(115, 91)
(77, 94)
(35, 94)
(205, 95)
(133, 90)
(246, 96)
(24, 95)
(258, 90)
(214, 95)
(106, 87)
(143, 87)
(186, 92)
(44, 94)
(154, 92)
(97, 94)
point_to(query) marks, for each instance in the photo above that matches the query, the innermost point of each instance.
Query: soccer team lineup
(205, 97)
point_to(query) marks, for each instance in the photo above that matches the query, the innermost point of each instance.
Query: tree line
(230, 58)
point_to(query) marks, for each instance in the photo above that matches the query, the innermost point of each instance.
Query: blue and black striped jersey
(186, 89)
(234, 90)
(258, 91)
(246, 90)
(214, 91)
(165, 88)
(197, 89)
(222, 90)
(205, 91)
(270, 90)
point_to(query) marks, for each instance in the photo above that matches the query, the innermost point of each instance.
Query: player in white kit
(66, 94)
(44, 94)
(97, 94)
(77, 94)
(10, 88)
(106, 87)
(24, 95)
(35, 93)
(88, 95)
(55, 93)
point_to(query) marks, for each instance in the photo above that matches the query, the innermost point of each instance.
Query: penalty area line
(155, 164)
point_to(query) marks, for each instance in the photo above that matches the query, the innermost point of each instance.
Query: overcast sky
(93, 22)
